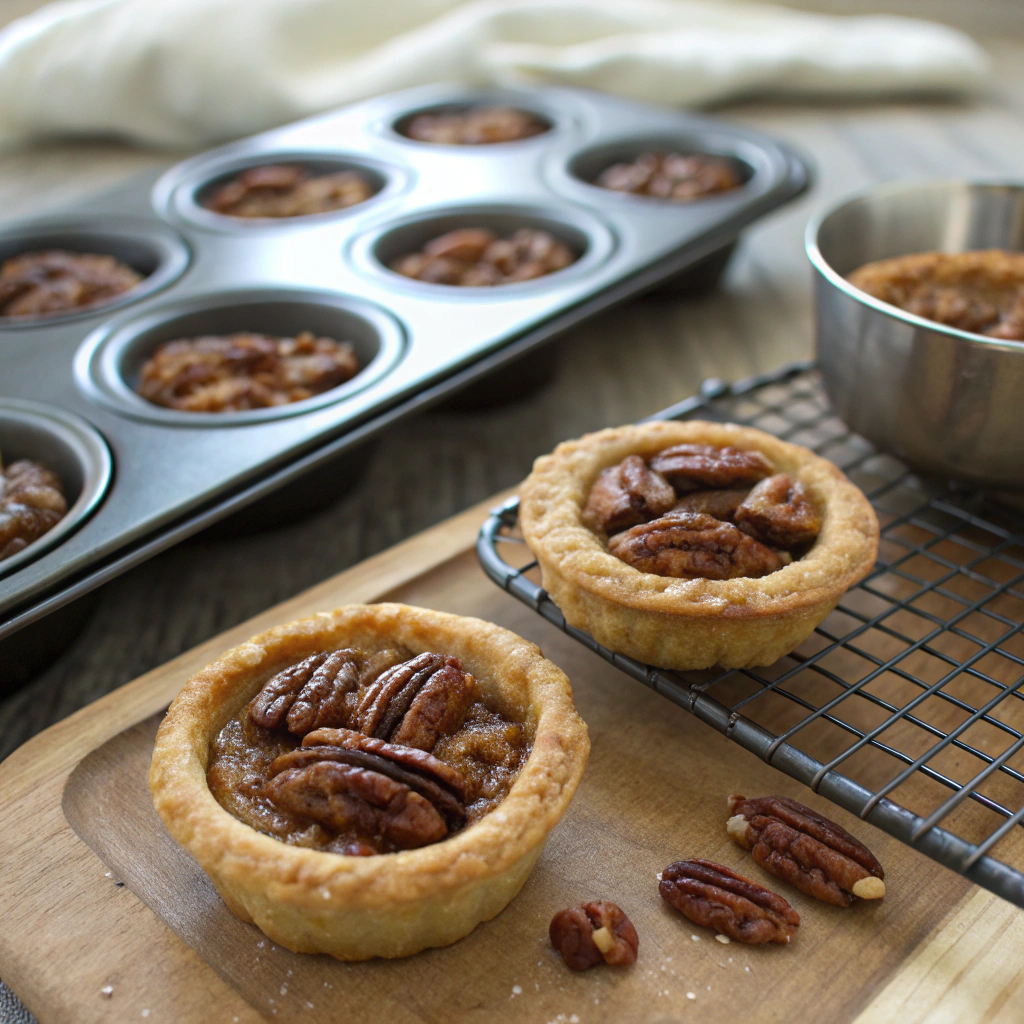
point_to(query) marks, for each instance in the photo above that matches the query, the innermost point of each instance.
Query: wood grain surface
(936, 949)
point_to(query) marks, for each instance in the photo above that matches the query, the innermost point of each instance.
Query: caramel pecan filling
(366, 752)
(288, 190)
(697, 511)
(672, 176)
(478, 258)
(981, 292)
(31, 504)
(234, 372)
(53, 281)
(478, 126)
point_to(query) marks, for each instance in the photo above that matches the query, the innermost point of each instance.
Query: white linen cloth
(193, 72)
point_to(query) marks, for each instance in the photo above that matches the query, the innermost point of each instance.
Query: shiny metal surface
(65, 444)
(949, 403)
(177, 472)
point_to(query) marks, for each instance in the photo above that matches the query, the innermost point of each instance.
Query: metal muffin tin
(174, 472)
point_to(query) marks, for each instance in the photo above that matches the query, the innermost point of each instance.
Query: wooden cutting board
(102, 918)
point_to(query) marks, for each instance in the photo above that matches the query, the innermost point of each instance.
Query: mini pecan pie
(981, 292)
(371, 781)
(31, 504)
(477, 126)
(288, 190)
(51, 281)
(672, 176)
(478, 258)
(229, 373)
(690, 544)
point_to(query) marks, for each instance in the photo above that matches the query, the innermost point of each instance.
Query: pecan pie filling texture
(236, 372)
(477, 126)
(50, 282)
(981, 292)
(677, 176)
(288, 190)
(477, 257)
(700, 511)
(31, 504)
(362, 753)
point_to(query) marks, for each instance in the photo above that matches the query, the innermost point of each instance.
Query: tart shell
(691, 623)
(388, 905)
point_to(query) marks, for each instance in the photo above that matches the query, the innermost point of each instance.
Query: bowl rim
(828, 272)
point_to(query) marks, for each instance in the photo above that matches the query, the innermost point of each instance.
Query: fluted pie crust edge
(388, 905)
(691, 624)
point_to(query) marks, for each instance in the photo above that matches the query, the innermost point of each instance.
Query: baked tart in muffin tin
(692, 544)
(371, 781)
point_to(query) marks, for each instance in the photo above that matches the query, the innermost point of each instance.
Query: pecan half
(308, 695)
(411, 757)
(417, 702)
(272, 703)
(688, 467)
(777, 511)
(691, 545)
(344, 797)
(714, 896)
(387, 760)
(625, 495)
(594, 933)
(720, 504)
(804, 848)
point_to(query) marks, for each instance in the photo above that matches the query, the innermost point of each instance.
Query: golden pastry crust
(691, 623)
(388, 905)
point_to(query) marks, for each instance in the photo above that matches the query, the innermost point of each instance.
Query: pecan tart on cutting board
(371, 781)
(692, 544)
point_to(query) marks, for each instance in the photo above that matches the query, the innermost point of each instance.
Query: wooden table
(631, 362)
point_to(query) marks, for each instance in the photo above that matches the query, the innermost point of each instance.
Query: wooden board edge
(951, 978)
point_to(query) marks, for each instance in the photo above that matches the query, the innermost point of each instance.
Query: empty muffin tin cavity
(583, 169)
(153, 250)
(588, 238)
(191, 185)
(109, 361)
(68, 446)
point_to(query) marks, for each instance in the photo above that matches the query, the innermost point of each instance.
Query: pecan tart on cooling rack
(690, 544)
(371, 781)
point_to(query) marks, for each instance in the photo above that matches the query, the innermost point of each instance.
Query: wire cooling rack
(905, 705)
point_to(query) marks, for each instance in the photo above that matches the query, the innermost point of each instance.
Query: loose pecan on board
(594, 933)
(715, 896)
(807, 850)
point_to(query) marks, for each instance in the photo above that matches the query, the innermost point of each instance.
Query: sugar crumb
(107, 991)
(723, 939)
(696, 938)
(691, 995)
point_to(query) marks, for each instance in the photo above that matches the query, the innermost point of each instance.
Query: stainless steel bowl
(949, 403)
(69, 446)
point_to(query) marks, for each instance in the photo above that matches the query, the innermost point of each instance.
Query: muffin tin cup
(108, 363)
(70, 447)
(185, 191)
(585, 234)
(946, 401)
(151, 249)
